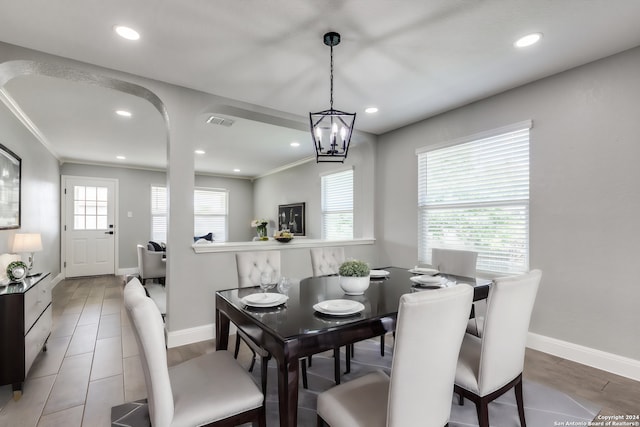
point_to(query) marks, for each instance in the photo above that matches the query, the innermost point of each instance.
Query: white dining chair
(211, 389)
(461, 263)
(491, 365)
(326, 261)
(430, 328)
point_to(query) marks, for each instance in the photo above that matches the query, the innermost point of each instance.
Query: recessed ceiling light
(295, 144)
(121, 158)
(199, 151)
(123, 113)
(236, 170)
(371, 110)
(126, 32)
(528, 40)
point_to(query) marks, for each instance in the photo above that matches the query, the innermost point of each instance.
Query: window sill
(269, 245)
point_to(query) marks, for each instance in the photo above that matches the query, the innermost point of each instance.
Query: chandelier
(331, 129)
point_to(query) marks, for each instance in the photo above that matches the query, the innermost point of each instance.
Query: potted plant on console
(354, 277)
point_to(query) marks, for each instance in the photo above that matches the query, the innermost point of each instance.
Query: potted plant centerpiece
(354, 277)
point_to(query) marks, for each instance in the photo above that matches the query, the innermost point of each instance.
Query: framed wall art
(291, 217)
(10, 181)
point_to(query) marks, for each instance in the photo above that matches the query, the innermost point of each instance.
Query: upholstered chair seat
(212, 389)
(429, 331)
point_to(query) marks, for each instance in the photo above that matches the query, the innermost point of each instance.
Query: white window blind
(337, 205)
(158, 214)
(209, 208)
(475, 196)
(210, 213)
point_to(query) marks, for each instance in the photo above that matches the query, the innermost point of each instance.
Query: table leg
(222, 331)
(288, 392)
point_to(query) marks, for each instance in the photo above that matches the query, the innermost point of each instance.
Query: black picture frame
(10, 195)
(292, 217)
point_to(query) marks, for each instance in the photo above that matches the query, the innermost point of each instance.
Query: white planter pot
(354, 285)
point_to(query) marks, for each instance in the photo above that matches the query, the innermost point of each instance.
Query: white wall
(40, 193)
(585, 201)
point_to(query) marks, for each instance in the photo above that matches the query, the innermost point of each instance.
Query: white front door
(89, 226)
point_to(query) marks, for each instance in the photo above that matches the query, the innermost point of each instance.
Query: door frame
(63, 216)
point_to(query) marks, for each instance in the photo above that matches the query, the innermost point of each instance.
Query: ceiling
(412, 59)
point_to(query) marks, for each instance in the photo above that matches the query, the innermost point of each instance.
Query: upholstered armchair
(429, 330)
(150, 264)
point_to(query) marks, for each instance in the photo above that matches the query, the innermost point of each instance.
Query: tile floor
(92, 364)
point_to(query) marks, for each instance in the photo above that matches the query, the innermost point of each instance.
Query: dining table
(294, 329)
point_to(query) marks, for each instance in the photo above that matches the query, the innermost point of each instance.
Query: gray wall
(302, 184)
(40, 193)
(585, 202)
(134, 196)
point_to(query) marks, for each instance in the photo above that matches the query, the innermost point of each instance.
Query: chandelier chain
(331, 79)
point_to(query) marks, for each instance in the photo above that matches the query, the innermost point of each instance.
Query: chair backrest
(251, 265)
(450, 261)
(506, 326)
(150, 264)
(429, 332)
(148, 330)
(325, 261)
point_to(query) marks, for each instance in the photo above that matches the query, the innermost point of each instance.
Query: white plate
(264, 299)
(339, 307)
(426, 280)
(378, 273)
(424, 270)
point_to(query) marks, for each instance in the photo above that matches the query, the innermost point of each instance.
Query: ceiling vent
(215, 120)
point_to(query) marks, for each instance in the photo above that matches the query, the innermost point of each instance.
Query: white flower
(257, 222)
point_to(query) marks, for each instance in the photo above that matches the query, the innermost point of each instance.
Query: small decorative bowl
(284, 239)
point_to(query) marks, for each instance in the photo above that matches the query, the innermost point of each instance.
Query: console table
(25, 326)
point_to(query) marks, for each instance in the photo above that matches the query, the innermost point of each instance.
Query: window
(209, 208)
(475, 196)
(337, 205)
(89, 208)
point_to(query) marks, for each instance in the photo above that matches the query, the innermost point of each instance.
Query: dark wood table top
(297, 317)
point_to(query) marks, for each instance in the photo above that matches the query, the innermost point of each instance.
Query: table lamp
(27, 243)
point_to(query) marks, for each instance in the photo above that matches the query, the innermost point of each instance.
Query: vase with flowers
(261, 228)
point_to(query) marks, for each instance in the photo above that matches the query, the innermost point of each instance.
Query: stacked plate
(378, 274)
(339, 307)
(265, 299)
(427, 281)
(424, 270)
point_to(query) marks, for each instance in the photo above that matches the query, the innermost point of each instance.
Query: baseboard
(191, 335)
(54, 281)
(609, 362)
(127, 271)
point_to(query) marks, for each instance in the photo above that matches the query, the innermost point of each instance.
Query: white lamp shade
(27, 242)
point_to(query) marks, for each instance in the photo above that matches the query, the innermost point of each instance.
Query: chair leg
(263, 376)
(520, 403)
(482, 408)
(460, 399)
(310, 358)
(305, 380)
(382, 345)
(236, 350)
(336, 365)
(320, 422)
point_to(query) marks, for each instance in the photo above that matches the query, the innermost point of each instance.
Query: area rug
(544, 406)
